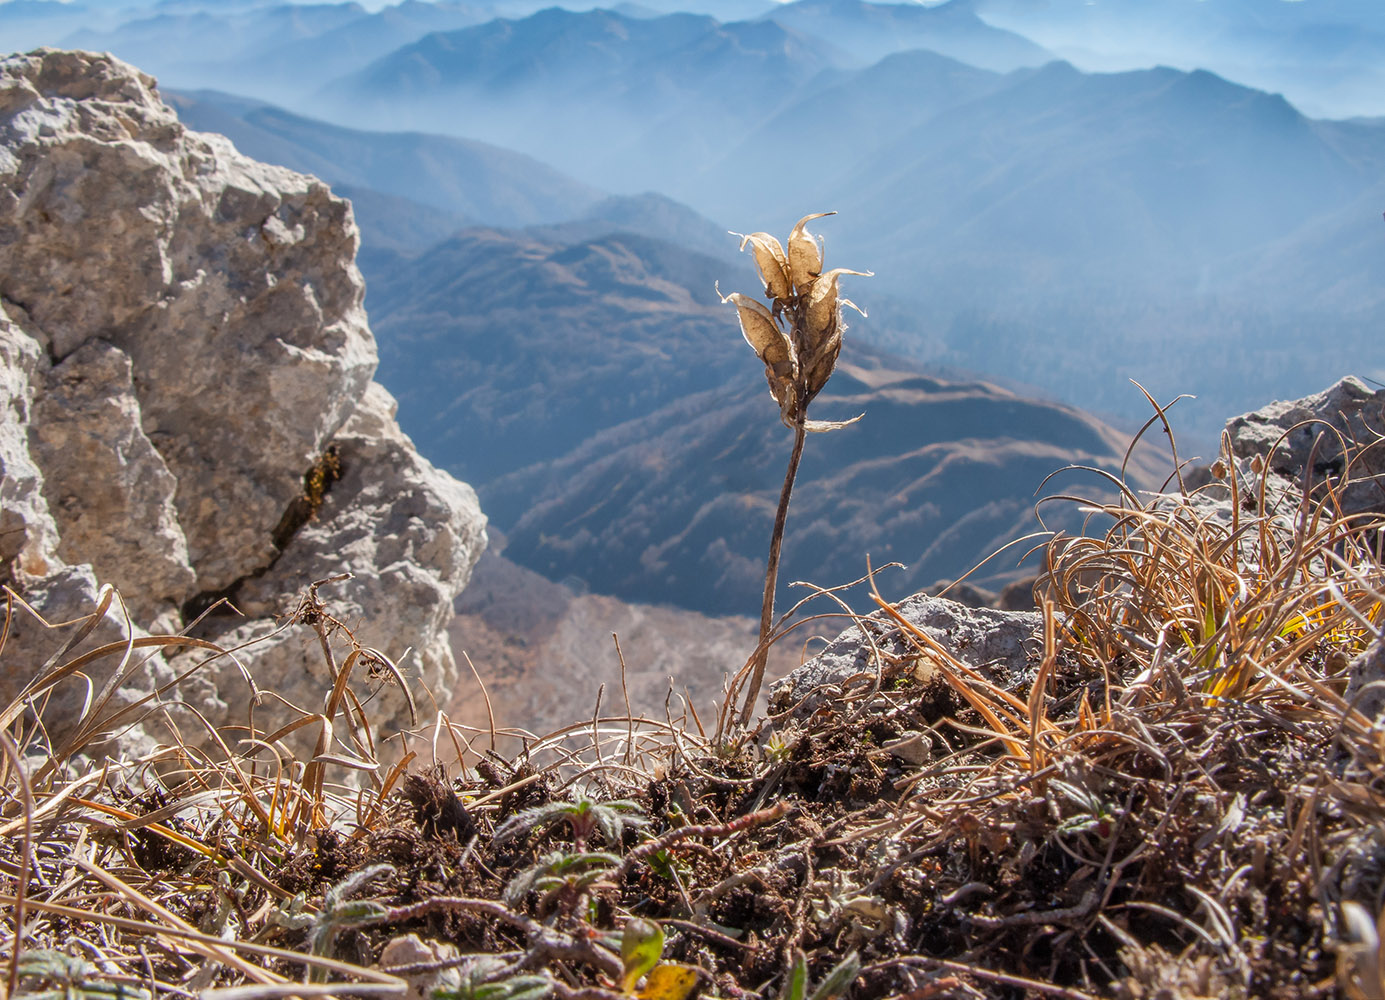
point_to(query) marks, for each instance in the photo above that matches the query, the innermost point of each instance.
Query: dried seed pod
(824, 307)
(763, 334)
(805, 256)
(818, 366)
(772, 263)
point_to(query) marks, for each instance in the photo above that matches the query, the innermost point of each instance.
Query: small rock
(997, 644)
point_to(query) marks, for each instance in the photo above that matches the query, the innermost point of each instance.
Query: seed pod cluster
(798, 335)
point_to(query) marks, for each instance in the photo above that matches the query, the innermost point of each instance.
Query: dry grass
(1180, 801)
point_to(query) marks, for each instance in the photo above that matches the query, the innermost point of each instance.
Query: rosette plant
(798, 336)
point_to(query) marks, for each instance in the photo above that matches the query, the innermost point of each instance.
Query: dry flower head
(798, 335)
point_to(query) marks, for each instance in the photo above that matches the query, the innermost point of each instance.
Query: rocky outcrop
(186, 365)
(1321, 437)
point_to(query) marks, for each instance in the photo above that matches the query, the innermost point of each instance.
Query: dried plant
(798, 336)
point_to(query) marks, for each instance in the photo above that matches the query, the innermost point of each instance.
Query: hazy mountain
(463, 178)
(647, 214)
(394, 226)
(871, 31)
(505, 350)
(272, 51)
(625, 103)
(1035, 215)
(722, 10)
(678, 506)
(27, 24)
(207, 47)
(603, 402)
(1027, 216)
(310, 61)
(1328, 56)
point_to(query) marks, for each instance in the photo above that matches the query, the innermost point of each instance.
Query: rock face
(1311, 439)
(999, 644)
(186, 366)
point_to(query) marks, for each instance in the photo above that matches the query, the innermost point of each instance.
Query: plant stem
(776, 542)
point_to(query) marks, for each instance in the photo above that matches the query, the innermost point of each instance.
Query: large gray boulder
(185, 367)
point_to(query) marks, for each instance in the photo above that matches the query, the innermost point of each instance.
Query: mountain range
(544, 208)
(600, 398)
(1327, 56)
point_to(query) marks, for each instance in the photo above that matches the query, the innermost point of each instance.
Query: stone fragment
(410, 949)
(407, 533)
(1001, 645)
(1311, 439)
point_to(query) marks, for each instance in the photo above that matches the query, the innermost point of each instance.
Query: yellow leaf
(669, 982)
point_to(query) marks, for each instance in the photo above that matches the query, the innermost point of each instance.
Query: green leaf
(796, 986)
(839, 978)
(641, 947)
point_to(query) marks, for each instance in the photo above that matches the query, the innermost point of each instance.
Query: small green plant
(798, 336)
(583, 816)
(59, 976)
(835, 984)
(338, 911)
(563, 880)
(480, 980)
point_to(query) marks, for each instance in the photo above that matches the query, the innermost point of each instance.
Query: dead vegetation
(1180, 801)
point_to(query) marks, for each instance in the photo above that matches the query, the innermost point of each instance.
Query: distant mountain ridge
(471, 180)
(603, 402)
(872, 31)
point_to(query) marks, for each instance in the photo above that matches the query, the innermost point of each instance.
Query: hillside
(604, 404)
(463, 178)
(622, 102)
(678, 506)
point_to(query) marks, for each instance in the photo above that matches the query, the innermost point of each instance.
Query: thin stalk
(776, 542)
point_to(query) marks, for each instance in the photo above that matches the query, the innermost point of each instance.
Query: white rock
(1001, 645)
(108, 489)
(182, 338)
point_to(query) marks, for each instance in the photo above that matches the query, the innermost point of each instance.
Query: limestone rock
(1366, 680)
(1001, 645)
(109, 491)
(407, 533)
(1344, 421)
(28, 536)
(182, 344)
(230, 284)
